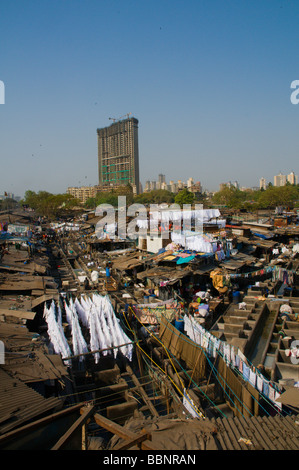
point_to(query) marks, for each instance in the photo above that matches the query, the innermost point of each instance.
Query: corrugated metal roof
(20, 403)
(26, 360)
(258, 433)
(26, 356)
(233, 433)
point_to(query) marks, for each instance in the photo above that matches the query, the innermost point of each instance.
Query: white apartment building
(263, 183)
(280, 180)
(292, 178)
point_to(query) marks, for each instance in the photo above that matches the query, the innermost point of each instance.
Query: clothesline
(233, 357)
(97, 315)
(260, 272)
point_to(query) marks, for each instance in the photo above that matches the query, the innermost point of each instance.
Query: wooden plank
(122, 411)
(87, 413)
(37, 292)
(28, 315)
(16, 268)
(113, 389)
(41, 299)
(120, 431)
(26, 284)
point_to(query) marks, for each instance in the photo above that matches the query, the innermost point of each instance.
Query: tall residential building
(161, 178)
(118, 154)
(280, 180)
(172, 187)
(190, 182)
(292, 178)
(153, 185)
(263, 183)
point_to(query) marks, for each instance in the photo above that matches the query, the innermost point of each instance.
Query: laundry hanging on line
(97, 315)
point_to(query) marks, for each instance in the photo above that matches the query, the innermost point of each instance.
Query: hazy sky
(208, 80)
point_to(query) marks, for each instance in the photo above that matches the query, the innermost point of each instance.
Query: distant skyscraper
(292, 178)
(153, 185)
(263, 183)
(280, 180)
(190, 182)
(118, 154)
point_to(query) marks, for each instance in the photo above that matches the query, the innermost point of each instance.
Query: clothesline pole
(98, 350)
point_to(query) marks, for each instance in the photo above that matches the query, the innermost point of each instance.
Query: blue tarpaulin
(261, 235)
(185, 260)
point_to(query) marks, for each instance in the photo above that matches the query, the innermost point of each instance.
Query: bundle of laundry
(294, 352)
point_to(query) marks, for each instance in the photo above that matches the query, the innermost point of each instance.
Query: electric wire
(175, 385)
(185, 338)
(216, 374)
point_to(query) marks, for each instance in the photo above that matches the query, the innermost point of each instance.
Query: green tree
(107, 198)
(278, 196)
(231, 197)
(157, 196)
(50, 205)
(184, 197)
(8, 203)
(90, 203)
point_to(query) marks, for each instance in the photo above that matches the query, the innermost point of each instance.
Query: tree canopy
(111, 197)
(157, 196)
(271, 197)
(184, 197)
(49, 205)
(55, 205)
(7, 203)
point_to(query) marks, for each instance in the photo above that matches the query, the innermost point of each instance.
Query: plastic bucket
(236, 297)
(179, 324)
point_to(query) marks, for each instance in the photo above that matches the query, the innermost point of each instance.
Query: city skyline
(83, 192)
(210, 84)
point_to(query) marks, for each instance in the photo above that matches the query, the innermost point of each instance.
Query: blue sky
(208, 80)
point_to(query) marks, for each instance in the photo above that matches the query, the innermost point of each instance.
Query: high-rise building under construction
(118, 154)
